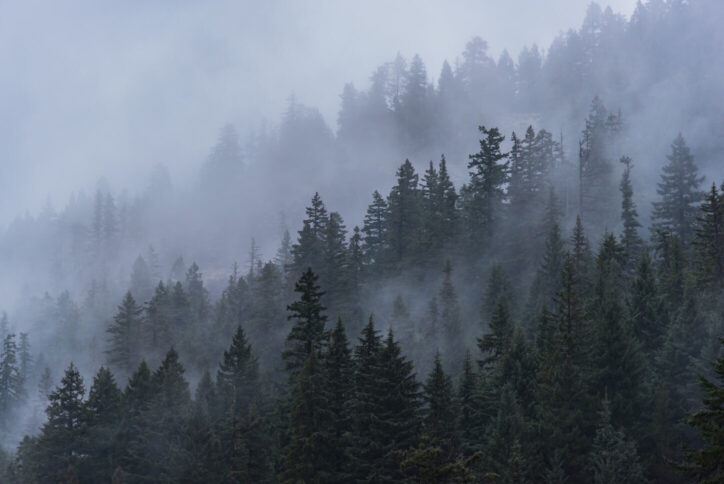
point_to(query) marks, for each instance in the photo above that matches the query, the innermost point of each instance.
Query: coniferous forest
(532, 306)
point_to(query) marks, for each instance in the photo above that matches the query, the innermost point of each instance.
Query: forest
(538, 305)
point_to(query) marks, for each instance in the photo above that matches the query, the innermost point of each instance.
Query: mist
(442, 170)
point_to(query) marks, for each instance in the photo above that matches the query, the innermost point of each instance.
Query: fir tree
(61, 441)
(339, 371)
(306, 456)
(403, 218)
(125, 335)
(709, 240)
(439, 413)
(103, 415)
(488, 175)
(679, 192)
(630, 238)
(614, 457)
(705, 464)
(11, 382)
(307, 334)
(375, 229)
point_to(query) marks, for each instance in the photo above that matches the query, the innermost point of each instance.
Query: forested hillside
(541, 303)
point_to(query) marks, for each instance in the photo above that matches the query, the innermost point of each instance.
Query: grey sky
(90, 90)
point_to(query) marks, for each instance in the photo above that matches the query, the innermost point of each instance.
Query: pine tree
(582, 258)
(365, 407)
(306, 456)
(630, 239)
(404, 218)
(11, 383)
(375, 229)
(496, 342)
(709, 240)
(307, 334)
(646, 308)
(61, 442)
(469, 430)
(339, 373)
(334, 268)
(506, 433)
(157, 323)
(450, 320)
(439, 413)
(125, 335)
(397, 424)
(309, 249)
(237, 377)
(25, 359)
(561, 386)
(488, 175)
(613, 457)
(103, 415)
(197, 294)
(679, 192)
(705, 464)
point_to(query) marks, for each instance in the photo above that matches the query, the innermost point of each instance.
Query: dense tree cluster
(592, 379)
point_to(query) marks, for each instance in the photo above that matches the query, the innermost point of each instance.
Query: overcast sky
(88, 90)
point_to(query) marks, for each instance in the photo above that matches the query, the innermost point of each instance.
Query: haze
(95, 90)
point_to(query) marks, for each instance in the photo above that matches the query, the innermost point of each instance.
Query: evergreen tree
(339, 370)
(646, 309)
(469, 430)
(488, 176)
(375, 229)
(709, 240)
(613, 457)
(404, 218)
(306, 456)
(309, 249)
(103, 415)
(679, 192)
(705, 464)
(125, 335)
(396, 423)
(198, 296)
(307, 334)
(450, 320)
(582, 258)
(365, 406)
(439, 412)
(11, 383)
(496, 342)
(630, 238)
(61, 442)
(25, 359)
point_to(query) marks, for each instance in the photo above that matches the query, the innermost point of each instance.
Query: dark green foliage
(614, 457)
(125, 334)
(62, 440)
(404, 212)
(485, 195)
(705, 464)
(709, 240)
(305, 457)
(439, 412)
(646, 308)
(308, 334)
(630, 239)
(679, 192)
(103, 415)
(375, 229)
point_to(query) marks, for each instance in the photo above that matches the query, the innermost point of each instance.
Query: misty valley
(512, 272)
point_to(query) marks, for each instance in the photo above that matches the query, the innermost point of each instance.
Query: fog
(94, 90)
(199, 157)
